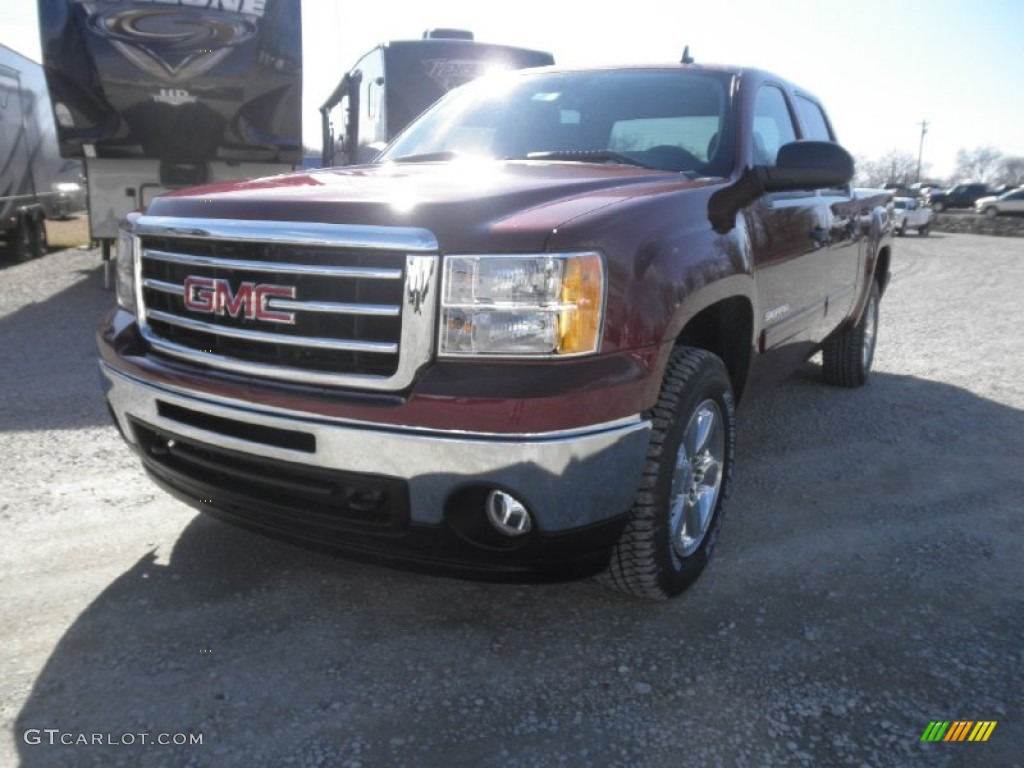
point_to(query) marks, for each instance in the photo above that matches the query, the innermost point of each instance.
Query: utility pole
(920, 149)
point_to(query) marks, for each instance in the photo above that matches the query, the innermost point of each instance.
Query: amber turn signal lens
(579, 322)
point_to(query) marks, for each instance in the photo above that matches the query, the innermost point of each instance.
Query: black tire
(991, 212)
(903, 229)
(20, 241)
(848, 354)
(695, 417)
(923, 231)
(40, 244)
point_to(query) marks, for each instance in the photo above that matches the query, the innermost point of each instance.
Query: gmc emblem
(213, 296)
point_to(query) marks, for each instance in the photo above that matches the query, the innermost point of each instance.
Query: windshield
(676, 121)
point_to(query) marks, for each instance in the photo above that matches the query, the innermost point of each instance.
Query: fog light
(507, 514)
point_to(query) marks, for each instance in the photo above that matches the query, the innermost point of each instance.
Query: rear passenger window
(815, 124)
(773, 125)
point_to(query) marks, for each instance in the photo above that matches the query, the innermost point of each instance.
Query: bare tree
(1011, 171)
(978, 164)
(893, 167)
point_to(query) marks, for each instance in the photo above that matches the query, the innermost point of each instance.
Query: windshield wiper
(428, 157)
(588, 156)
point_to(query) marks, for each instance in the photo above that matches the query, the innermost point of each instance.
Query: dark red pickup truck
(514, 343)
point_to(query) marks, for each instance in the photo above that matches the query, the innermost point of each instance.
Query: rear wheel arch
(881, 274)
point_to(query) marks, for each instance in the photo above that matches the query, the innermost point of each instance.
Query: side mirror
(806, 165)
(799, 165)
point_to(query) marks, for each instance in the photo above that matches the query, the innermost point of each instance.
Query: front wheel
(991, 212)
(848, 354)
(938, 207)
(677, 512)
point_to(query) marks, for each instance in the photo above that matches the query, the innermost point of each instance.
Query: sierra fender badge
(775, 314)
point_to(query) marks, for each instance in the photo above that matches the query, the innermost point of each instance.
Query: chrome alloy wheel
(697, 479)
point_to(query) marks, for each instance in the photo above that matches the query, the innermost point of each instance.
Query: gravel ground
(868, 580)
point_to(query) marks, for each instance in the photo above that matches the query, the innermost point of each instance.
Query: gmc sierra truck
(512, 345)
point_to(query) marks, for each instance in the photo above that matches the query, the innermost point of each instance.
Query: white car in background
(910, 213)
(1008, 202)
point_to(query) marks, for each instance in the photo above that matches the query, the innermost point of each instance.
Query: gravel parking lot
(869, 579)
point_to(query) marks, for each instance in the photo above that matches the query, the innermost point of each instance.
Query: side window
(815, 124)
(371, 108)
(338, 126)
(816, 127)
(773, 125)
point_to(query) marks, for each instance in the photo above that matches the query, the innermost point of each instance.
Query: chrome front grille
(314, 303)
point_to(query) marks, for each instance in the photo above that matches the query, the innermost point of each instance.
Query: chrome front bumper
(569, 480)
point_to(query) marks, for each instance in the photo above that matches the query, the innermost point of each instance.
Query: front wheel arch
(726, 330)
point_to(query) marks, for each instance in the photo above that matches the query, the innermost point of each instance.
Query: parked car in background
(910, 213)
(960, 196)
(927, 189)
(902, 190)
(1008, 202)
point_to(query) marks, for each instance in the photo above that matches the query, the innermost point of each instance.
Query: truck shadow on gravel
(50, 357)
(826, 612)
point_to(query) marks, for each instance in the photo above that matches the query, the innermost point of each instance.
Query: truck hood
(468, 205)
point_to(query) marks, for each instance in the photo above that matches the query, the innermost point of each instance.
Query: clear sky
(879, 66)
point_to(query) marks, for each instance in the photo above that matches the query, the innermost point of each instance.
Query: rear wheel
(40, 245)
(20, 241)
(677, 512)
(847, 355)
(938, 206)
(923, 231)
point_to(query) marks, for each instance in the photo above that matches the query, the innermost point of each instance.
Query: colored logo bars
(958, 730)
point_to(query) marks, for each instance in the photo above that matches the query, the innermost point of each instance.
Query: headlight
(529, 305)
(68, 187)
(125, 263)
